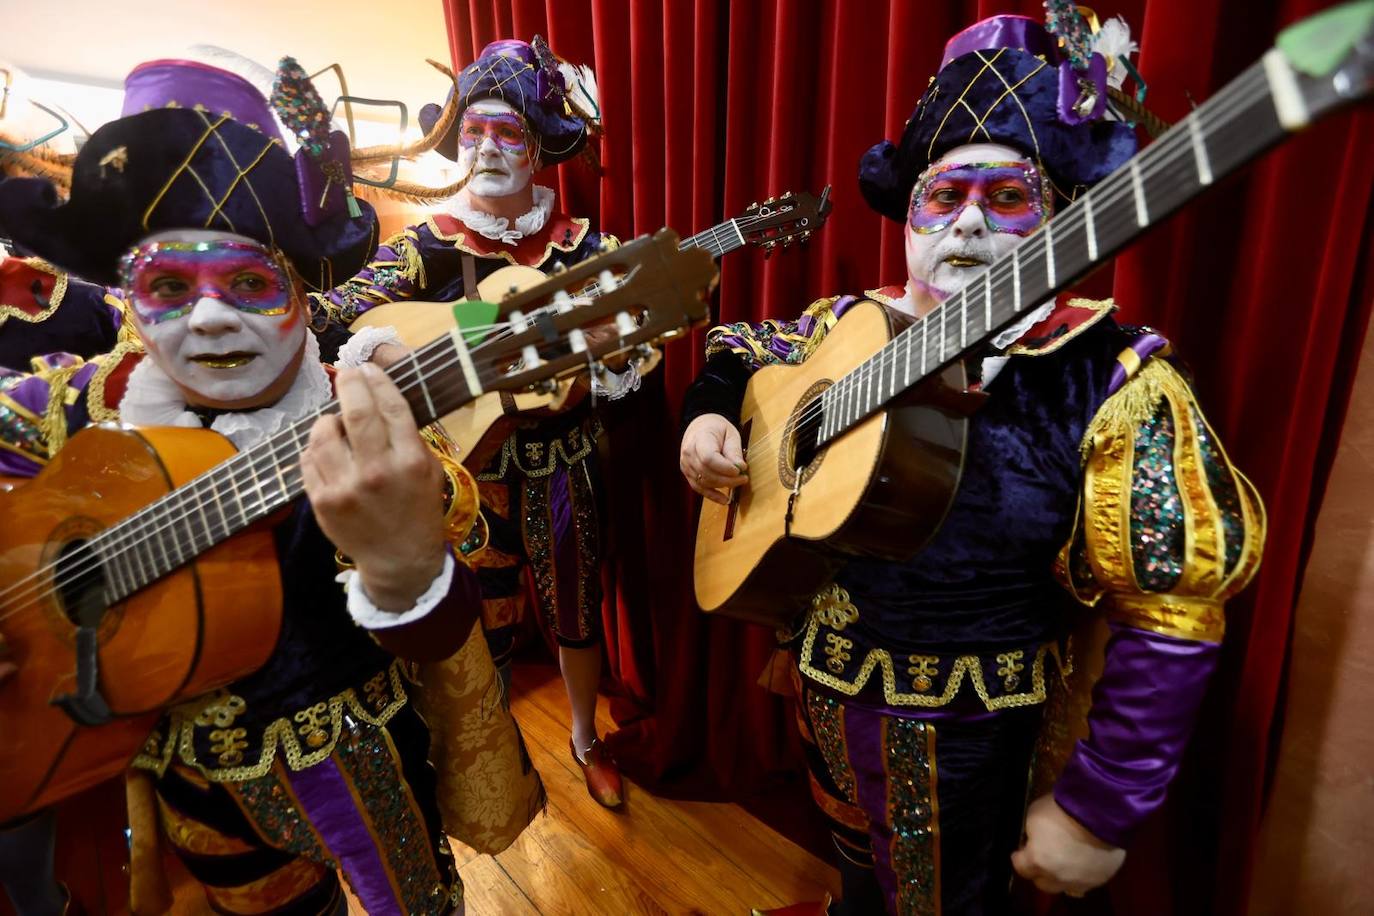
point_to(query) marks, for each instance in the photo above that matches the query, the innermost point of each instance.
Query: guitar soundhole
(80, 583)
(800, 446)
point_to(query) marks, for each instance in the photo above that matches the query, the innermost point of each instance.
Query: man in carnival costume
(314, 765)
(920, 732)
(518, 109)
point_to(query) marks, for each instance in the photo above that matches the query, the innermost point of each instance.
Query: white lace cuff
(615, 385)
(368, 615)
(359, 348)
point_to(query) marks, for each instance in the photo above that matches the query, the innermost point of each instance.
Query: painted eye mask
(506, 129)
(165, 280)
(1011, 195)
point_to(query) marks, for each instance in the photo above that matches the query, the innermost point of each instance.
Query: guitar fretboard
(1229, 129)
(254, 483)
(719, 239)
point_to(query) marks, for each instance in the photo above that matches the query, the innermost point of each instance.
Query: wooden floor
(652, 856)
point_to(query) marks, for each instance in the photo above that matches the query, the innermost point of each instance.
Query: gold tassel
(1134, 404)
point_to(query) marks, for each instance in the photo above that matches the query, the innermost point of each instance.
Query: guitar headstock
(1331, 58)
(648, 291)
(778, 222)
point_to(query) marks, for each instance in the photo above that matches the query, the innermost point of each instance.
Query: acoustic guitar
(137, 570)
(477, 428)
(858, 451)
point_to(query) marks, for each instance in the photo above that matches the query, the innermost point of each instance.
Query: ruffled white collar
(153, 399)
(498, 227)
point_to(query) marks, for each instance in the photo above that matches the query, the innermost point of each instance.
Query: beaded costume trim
(304, 738)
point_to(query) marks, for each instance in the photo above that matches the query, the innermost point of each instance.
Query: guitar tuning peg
(754, 205)
(558, 268)
(769, 200)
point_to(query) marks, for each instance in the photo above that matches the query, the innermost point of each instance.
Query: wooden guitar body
(209, 623)
(881, 490)
(478, 428)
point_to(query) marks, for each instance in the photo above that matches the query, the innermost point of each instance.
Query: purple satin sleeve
(1143, 711)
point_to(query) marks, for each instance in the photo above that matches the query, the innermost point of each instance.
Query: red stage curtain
(1262, 289)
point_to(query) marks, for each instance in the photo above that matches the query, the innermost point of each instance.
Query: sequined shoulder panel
(1168, 528)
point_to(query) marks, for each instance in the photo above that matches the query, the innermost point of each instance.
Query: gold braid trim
(963, 666)
(54, 425)
(59, 290)
(278, 737)
(822, 311)
(99, 411)
(1199, 619)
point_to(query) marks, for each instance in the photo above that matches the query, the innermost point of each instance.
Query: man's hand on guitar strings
(375, 487)
(712, 458)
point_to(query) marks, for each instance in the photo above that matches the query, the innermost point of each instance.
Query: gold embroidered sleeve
(1168, 529)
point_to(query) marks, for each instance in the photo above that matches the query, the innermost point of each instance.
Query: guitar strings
(878, 366)
(1111, 197)
(859, 374)
(242, 468)
(1166, 152)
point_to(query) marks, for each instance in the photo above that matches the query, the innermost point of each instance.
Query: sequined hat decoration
(194, 160)
(1006, 80)
(558, 100)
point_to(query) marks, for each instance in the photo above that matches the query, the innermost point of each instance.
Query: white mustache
(981, 249)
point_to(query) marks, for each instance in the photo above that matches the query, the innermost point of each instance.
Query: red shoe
(810, 908)
(603, 779)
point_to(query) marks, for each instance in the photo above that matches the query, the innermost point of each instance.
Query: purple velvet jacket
(1090, 473)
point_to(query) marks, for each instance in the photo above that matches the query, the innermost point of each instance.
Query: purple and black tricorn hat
(527, 78)
(198, 147)
(1004, 80)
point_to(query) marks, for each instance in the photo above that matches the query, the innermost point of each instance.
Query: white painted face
(219, 314)
(973, 205)
(493, 142)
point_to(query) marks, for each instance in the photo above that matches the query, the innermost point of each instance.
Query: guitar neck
(258, 481)
(1229, 129)
(719, 239)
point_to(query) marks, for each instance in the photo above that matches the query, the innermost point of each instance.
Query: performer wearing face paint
(314, 765)
(520, 110)
(920, 684)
